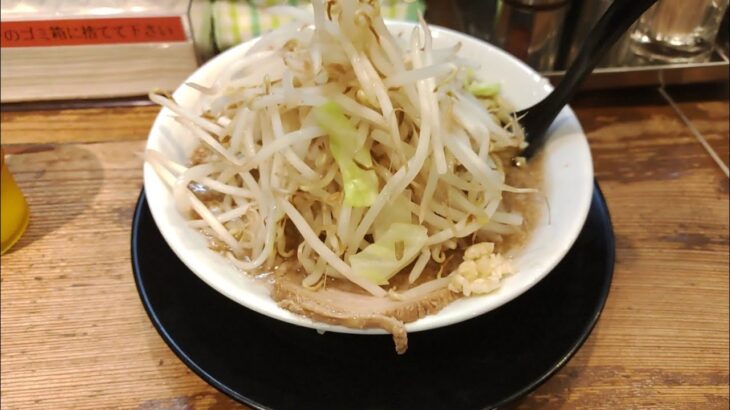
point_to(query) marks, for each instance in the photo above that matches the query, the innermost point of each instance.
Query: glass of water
(678, 30)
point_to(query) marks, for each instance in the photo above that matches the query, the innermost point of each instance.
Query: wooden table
(75, 335)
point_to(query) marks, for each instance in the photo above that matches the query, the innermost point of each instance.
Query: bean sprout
(414, 139)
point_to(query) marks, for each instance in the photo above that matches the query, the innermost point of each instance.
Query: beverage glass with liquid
(13, 207)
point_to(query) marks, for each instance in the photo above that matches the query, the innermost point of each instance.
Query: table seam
(687, 123)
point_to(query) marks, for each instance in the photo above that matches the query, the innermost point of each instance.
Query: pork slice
(322, 313)
(359, 311)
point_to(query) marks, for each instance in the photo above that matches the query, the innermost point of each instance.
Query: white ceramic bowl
(568, 186)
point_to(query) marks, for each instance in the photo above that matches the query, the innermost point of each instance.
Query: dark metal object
(528, 29)
(615, 21)
(641, 73)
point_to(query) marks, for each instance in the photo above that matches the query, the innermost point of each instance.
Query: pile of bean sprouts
(265, 170)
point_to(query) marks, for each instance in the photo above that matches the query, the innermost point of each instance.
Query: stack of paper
(79, 49)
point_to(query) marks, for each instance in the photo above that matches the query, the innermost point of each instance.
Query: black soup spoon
(536, 120)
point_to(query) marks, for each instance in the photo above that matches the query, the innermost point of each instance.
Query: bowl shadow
(59, 183)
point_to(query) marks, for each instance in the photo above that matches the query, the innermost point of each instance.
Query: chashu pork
(360, 311)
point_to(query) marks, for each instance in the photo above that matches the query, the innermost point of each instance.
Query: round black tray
(485, 362)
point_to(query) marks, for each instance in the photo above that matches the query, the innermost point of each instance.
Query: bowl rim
(278, 313)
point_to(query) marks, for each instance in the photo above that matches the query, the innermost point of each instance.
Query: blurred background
(118, 49)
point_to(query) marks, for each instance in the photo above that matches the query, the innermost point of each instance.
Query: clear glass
(678, 30)
(13, 209)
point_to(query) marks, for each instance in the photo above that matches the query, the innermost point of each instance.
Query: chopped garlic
(478, 250)
(481, 271)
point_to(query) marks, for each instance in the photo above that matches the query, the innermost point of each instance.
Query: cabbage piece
(483, 89)
(362, 157)
(361, 187)
(346, 146)
(397, 211)
(395, 249)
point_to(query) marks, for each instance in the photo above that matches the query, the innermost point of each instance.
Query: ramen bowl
(567, 173)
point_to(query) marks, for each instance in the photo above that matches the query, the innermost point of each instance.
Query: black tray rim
(597, 197)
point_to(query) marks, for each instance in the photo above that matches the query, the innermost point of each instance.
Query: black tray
(485, 362)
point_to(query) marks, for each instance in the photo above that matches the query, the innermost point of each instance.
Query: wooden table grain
(75, 335)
